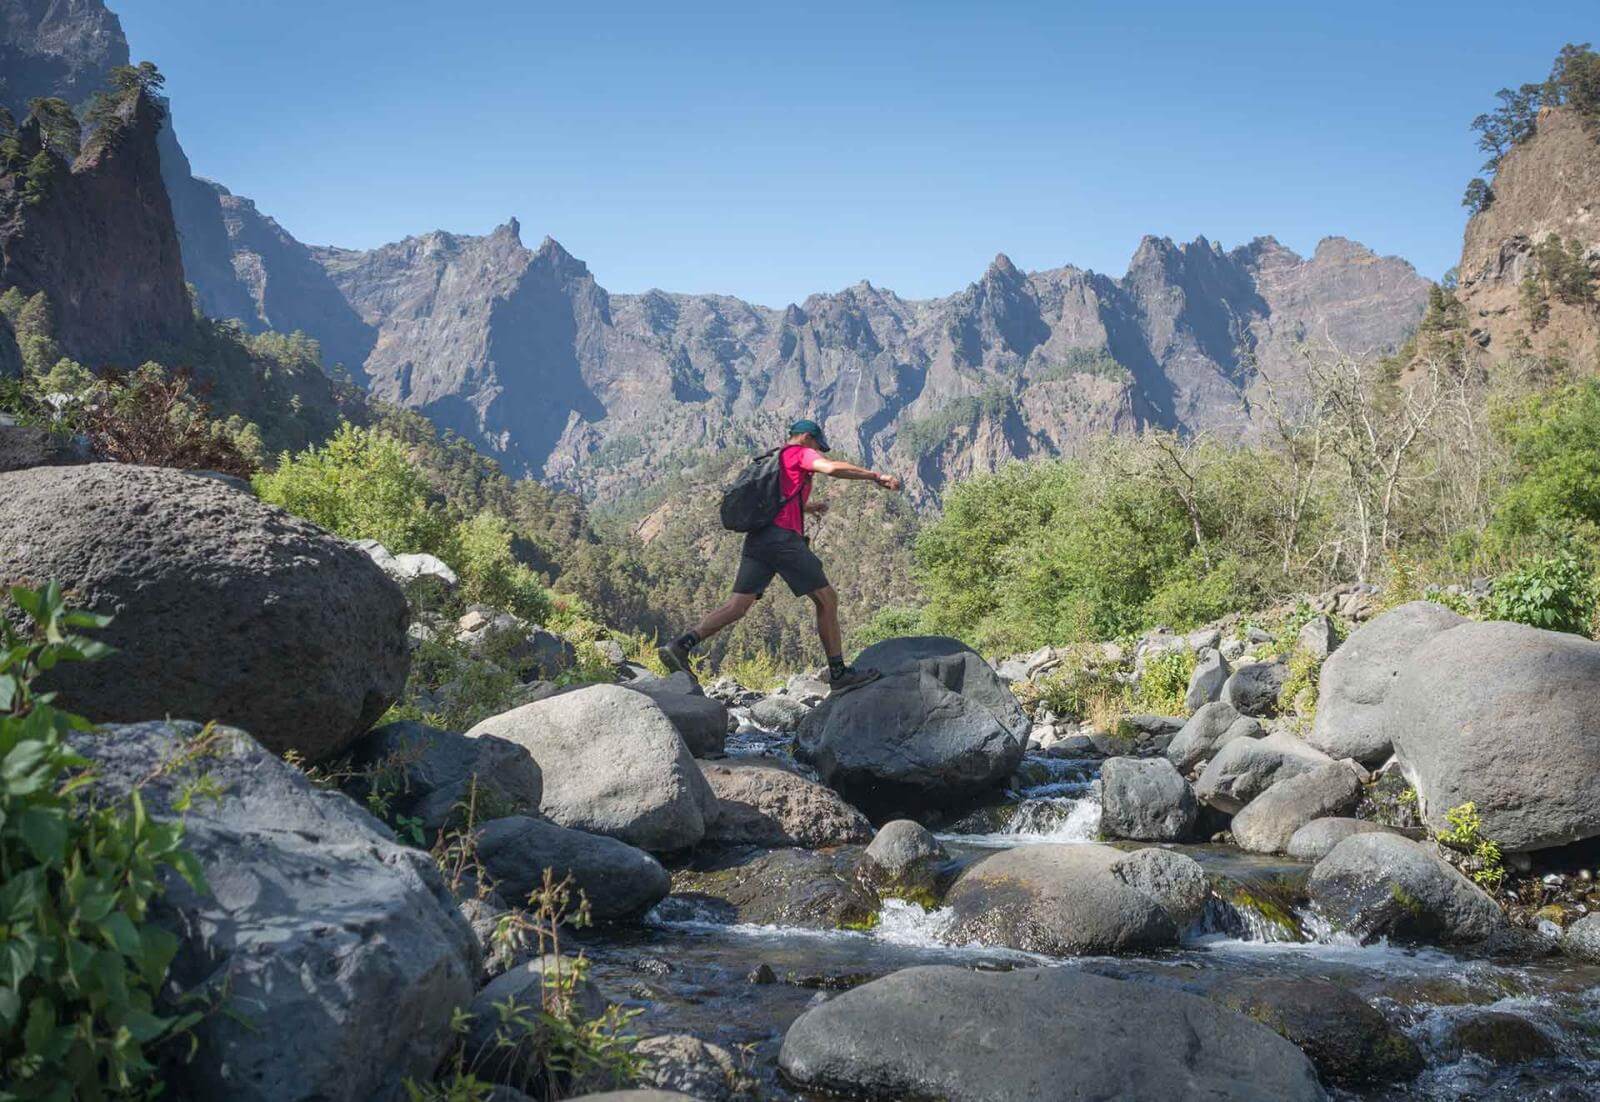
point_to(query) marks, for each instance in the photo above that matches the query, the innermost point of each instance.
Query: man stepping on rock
(769, 503)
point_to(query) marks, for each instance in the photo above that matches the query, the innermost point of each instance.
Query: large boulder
(1146, 799)
(1507, 718)
(1062, 900)
(1246, 767)
(758, 802)
(1268, 822)
(940, 1031)
(937, 729)
(22, 447)
(226, 608)
(1383, 885)
(1175, 881)
(701, 721)
(1211, 672)
(1316, 839)
(1253, 688)
(619, 881)
(424, 773)
(1213, 726)
(1357, 677)
(612, 764)
(334, 956)
(417, 571)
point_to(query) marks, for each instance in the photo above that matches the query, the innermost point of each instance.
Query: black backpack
(756, 496)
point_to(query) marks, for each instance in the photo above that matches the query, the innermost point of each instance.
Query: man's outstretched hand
(889, 482)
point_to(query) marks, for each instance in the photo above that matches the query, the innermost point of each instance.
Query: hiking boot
(851, 678)
(674, 656)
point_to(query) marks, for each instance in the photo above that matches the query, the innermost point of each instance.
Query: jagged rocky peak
(56, 48)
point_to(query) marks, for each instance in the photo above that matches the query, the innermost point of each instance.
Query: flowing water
(687, 972)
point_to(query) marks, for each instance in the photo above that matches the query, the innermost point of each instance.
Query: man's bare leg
(827, 602)
(675, 655)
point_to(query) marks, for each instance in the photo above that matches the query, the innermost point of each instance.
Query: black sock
(835, 664)
(689, 640)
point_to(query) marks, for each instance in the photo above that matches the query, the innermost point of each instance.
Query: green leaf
(45, 831)
(119, 930)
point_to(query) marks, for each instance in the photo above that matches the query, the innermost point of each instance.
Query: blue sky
(771, 151)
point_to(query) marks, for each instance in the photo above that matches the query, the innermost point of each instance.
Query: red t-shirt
(797, 461)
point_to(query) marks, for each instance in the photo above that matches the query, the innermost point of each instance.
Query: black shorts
(773, 550)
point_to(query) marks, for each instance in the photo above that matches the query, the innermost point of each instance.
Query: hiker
(769, 503)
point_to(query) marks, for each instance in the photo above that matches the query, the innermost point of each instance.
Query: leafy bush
(151, 417)
(491, 575)
(1165, 682)
(1553, 592)
(81, 965)
(886, 623)
(1464, 835)
(1305, 671)
(757, 672)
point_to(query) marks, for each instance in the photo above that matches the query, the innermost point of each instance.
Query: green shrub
(1464, 834)
(491, 575)
(887, 623)
(1165, 682)
(1305, 671)
(1553, 592)
(81, 965)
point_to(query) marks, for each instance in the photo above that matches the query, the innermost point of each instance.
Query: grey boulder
(1267, 823)
(1245, 768)
(1061, 900)
(619, 881)
(1316, 839)
(612, 764)
(1176, 882)
(695, 1068)
(1147, 800)
(701, 721)
(758, 802)
(22, 447)
(1213, 726)
(336, 954)
(1357, 677)
(778, 713)
(955, 665)
(1253, 688)
(1582, 938)
(1211, 672)
(940, 1031)
(1383, 885)
(1318, 637)
(900, 846)
(429, 774)
(1507, 718)
(226, 608)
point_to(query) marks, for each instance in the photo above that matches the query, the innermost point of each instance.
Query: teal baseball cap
(809, 428)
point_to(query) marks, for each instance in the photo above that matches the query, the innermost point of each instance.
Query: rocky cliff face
(101, 244)
(1547, 186)
(56, 48)
(523, 352)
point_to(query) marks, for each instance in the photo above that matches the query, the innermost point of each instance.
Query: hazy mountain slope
(56, 48)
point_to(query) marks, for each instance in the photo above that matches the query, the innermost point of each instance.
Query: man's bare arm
(838, 468)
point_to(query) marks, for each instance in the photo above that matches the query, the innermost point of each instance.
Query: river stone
(1501, 1037)
(758, 802)
(1358, 676)
(818, 890)
(1061, 900)
(1316, 839)
(1505, 717)
(700, 721)
(680, 1062)
(1349, 1042)
(1253, 688)
(337, 953)
(1383, 885)
(502, 1049)
(1146, 799)
(939, 1031)
(912, 741)
(1268, 822)
(429, 774)
(226, 608)
(620, 882)
(1176, 882)
(901, 846)
(1582, 938)
(1211, 672)
(1245, 768)
(778, 713)
(613, 764)
(1213, 726)
(957, 667)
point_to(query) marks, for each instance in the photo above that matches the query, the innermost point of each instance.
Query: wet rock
(778, 713)
(340, 952)
(1177, 883)
(620, 882)
(1383, 885)
(1211, 672)
(226, 608)
(938, 729)
(946, 1032)
(1505, 717)
(679, 1062)
(783, 887)
(1245, 768)
(1356, 679)
(1062, 900)
(1582, 938)
(612, 764)
(1316, 839)
(1211, 727)
(429, 774)
(760, 803)
(507, 1047)
(1350, 1043)
(1146, 799)
(901, 846)
(761, 974)
(1501, 1038)
(1253, 688)
(1267, 823)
